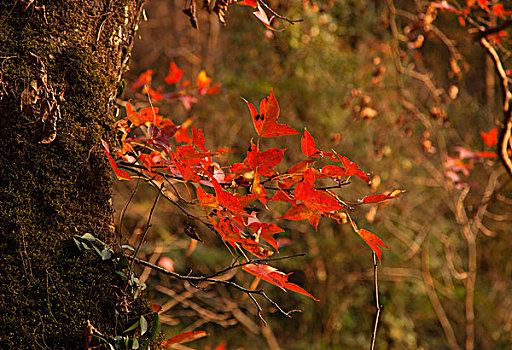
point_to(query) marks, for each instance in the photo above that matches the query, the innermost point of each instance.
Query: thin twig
(253, 261)
(195, 279)
(436, 303)
(148, 225)
(377, 302)
(123, 211)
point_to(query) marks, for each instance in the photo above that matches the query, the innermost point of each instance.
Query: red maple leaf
(376, 198)
(372, 240)
(221, 346)
(258, 189)
(315, 199)
(226, 199)
(252, 3)
(174, 75)
(484, 154)
(490, 138)
(294, 174)
(500, 11)
(265, 231)
(282, 196)
(121, 174)
(349, 169)
(183, 133)
(227, 231)
(256, 249)
(198, 139)
(202, 82)
(183, 338)
(265, 122)
(302, 212)
(262, 162)
(307, 145)
(145, 116)
(143, 79)
(203, 85)
(275, 277)
(206, 199)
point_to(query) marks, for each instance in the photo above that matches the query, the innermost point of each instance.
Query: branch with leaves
(228, 198)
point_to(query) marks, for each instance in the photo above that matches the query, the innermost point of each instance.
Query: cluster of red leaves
(183, 90)
(155, 147)
(478, 8)
(457, 167)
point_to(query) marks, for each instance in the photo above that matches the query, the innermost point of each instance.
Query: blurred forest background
(368, 80)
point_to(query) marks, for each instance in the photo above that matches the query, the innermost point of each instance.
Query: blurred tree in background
(403, 88)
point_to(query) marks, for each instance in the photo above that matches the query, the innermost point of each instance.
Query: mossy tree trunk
(52, 189)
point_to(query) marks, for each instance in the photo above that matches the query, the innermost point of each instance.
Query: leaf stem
(377, 302)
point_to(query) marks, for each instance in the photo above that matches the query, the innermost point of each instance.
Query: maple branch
(195, 279)
(377, 302)
(252, 261)
(316, 188)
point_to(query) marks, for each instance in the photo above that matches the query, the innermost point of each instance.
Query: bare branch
(148, 225)
(195, 279)
(436, 303)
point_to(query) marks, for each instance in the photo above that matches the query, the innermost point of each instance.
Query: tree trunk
(60, 69)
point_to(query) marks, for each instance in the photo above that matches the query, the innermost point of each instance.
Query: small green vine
(139, 335)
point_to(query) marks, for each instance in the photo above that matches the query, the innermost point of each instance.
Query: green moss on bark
(50, 192)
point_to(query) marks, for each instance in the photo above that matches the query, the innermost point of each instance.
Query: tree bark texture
(60, 69)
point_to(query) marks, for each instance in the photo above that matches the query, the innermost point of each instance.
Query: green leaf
(106, 254)
(77, 242)
(155, 326)
(100, 337)
(132, 327)
(88, 237)
(129, 247)
(122, 274)
(97, 250)
(143, 325)
(135, 343)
